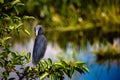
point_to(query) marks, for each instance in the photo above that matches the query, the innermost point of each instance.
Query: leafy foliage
(58, 69)
(10, 19)
(9, 62)
(46, 68)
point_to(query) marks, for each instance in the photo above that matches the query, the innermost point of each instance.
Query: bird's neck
(39, 33)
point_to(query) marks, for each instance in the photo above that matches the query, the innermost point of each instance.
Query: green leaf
(49, 61)
(16, 32)
(71, 71)
(17, 11)
(79, 70)
(13, 54)
(28, 56)
(26, 70)
(79, 63)
(51, 77)
(4, 39)
(18, 25)
(44, 64)
(15, 2)
(20, 4)
(11, 27)
(44, 75)
(1, 64)
(65, 63)
(58, 64)
(27, 32)
(28, 17)
(55, 77)
(85, 68)
(6, 73)
(22, 53)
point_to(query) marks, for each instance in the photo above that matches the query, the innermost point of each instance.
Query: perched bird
(40, 45)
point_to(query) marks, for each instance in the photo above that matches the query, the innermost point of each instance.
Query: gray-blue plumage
(39, 46)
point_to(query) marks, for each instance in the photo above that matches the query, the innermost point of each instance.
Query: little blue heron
(40, 45)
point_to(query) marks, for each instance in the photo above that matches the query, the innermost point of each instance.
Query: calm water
(101, 70)
(106, 70)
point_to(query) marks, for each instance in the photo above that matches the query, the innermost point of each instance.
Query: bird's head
(38, 29)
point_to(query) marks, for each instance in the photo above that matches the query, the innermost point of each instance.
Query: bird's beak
(36, 32)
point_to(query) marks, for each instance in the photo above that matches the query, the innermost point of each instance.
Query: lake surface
(99, 70)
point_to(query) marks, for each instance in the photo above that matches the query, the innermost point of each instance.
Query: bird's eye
(40, 28)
